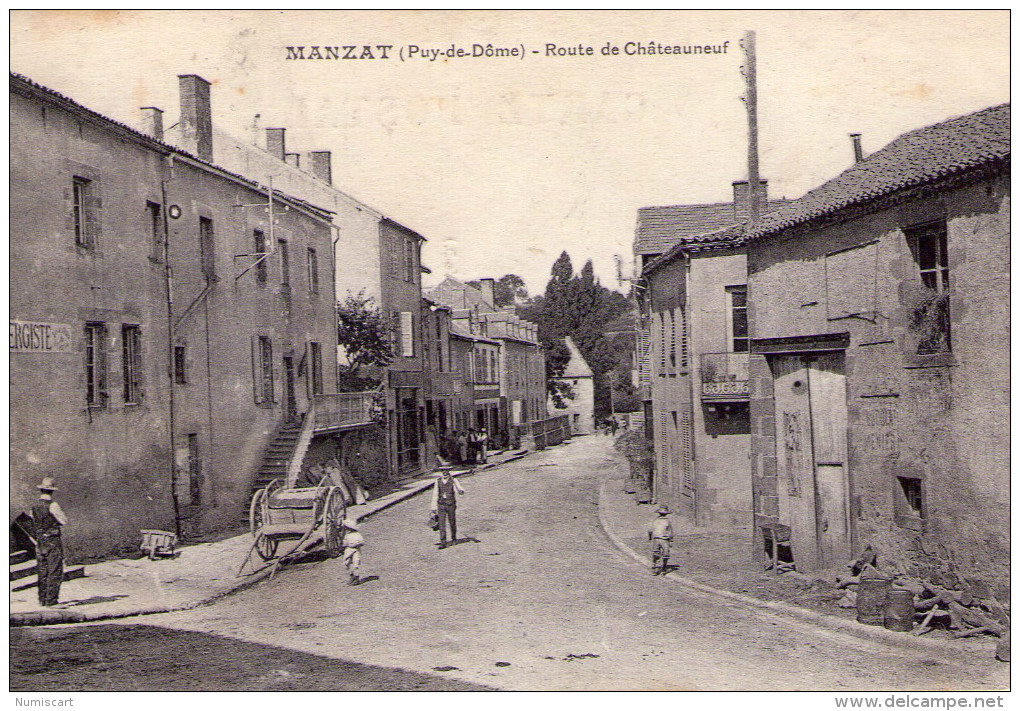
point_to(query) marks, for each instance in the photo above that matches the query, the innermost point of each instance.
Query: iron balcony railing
(341, 410)
(724, 376)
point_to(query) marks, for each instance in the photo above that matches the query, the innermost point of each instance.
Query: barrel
(899, 610)
(871, 600)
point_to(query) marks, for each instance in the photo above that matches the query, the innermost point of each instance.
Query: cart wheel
(333, 517)
(265, 547)
(256, 512)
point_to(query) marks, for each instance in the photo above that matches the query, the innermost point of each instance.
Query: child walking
(352, 542)
(660, 533)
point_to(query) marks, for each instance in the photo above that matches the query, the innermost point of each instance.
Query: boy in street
(352, 542)
(444, 503)
(660, 533)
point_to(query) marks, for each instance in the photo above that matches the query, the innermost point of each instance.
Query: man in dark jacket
(49, 551)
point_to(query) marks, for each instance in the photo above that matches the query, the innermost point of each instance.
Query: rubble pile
(942, 600)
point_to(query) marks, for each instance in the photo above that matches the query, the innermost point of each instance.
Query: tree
(362, 334)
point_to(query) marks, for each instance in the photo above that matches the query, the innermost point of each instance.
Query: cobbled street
(534, 597)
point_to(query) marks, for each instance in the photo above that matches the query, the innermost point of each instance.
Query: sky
(502, 162)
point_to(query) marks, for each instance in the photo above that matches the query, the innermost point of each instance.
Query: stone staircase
(23, 571)
(278, 459)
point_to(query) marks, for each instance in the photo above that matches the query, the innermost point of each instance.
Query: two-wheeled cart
(309, 516)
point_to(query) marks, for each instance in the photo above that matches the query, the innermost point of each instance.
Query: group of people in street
(469, 446)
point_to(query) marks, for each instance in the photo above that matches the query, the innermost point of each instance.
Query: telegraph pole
(751, 102)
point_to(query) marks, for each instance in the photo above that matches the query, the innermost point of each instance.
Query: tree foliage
(362, 334)
(577, 305)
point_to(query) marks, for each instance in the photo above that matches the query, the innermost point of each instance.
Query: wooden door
(828, 425)
(795, 458)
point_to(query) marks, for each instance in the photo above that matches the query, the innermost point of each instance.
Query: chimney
(858, 151)
(196, 116)
(152, 122)
(488, 290)
(321, 165)
(742, 199)
(293, 159)
(275, 143)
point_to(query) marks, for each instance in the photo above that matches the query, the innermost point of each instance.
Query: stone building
(150, 367)
(879, 323)
(691, 358)
(696, 296)
(514, 395)
(580, 404)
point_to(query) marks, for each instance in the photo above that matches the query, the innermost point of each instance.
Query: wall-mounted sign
(174, 211)
(34, 337)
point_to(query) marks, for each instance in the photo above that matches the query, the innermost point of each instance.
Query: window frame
(732, 338)
(155, 213)
(96, 376)
(180, 364)
(131, 363)
(934, 281)
(207, 247)
(313, 271)
(81, 197)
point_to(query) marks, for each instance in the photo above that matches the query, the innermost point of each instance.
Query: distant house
(879, 374)
(579, 405)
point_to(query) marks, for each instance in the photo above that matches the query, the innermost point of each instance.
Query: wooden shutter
(686, 452)
(256, 369)
(406, 334)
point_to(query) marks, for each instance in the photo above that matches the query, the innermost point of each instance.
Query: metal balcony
(724, 377)
(339, 411)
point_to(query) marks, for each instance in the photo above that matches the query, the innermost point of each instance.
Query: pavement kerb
(874, 634)
(61, 617)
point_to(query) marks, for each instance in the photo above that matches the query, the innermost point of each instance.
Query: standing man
(49, 551)
(660, 533)
(444, 503)
(483, 446)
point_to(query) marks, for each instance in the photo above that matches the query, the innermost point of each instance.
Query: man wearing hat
(660, 533)
(49, 551)
(444, 503)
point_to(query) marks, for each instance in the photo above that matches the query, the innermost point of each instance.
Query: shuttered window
(406, 334)
(262, 369)
(686, 453)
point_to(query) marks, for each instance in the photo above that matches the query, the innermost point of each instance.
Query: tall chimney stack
(858, 151)
(196, 116)
(742, 199)
(488, 288)
(321, 166)
(276, 143)
(152, 122)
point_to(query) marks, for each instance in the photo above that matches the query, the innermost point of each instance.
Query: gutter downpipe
(689, 315)
(168, 273)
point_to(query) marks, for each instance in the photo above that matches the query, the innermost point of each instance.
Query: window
(131, 359)
(261, 271)
(194, 471)
(909, 502)
(95, 365)
(262, 369)
(155, 212)
(206, 245)
(284, 264)
(316, 350)
(313, 272)
(672, 340)
(409, 260)
(82, 204)
(739, 339)
(930, 317)
(180, 365)
(406, 334)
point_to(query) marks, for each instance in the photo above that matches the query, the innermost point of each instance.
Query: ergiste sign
(34, 337)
